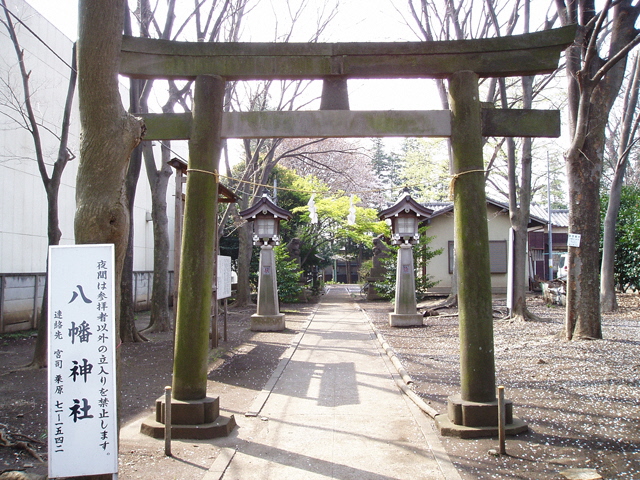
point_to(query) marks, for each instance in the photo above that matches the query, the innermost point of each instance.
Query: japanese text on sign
(82, 385)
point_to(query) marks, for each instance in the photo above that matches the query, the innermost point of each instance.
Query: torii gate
(474, 411)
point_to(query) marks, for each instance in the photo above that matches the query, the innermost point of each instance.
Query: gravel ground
(579, 399)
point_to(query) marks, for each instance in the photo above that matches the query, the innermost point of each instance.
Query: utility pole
(550, 223)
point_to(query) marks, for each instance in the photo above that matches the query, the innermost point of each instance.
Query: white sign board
(224, 277)
(83, 428)
(573, 240)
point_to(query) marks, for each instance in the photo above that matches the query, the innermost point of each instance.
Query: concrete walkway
(332, 410)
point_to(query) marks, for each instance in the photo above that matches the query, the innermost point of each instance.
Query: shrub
(288, 274)
(422, 255)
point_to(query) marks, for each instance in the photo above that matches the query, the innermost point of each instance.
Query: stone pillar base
(467, 419)
(267, 323)
(195, 419)
(405, 319)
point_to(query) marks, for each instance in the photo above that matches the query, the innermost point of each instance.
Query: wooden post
(214, 318)
(167, 421)
(477, 368)
(225, 319)
(198, 242)
(501, 421)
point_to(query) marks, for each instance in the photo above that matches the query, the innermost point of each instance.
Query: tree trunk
(583, 295)
(108, 136)
(160, 313)
(109, 133)
(40, 353)
(245, 250)
(128, 331)
(608, 302)
(594, 84)
(519, 205)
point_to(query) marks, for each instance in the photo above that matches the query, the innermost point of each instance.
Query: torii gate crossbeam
(528, 54)
(353, 124)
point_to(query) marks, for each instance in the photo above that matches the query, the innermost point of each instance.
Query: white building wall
(441, 228)
(23, 219)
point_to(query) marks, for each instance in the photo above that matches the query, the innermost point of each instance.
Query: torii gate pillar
(193, 413)
(473, 413)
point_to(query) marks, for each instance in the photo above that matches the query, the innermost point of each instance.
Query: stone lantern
(265, 216)
(405, 216)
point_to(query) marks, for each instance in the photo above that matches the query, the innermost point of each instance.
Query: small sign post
(224, 285)
(83, 427)
(224, 277)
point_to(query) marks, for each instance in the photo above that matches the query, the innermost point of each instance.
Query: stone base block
(405, 319)
(267, 323)
(193, 412)
(467, 419)
(194, 419)
(476, 414)
(222, 427)
(449, 429)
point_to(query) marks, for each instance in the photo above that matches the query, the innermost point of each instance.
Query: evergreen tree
(388, 168)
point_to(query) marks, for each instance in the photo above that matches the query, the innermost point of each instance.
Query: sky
(357, 20)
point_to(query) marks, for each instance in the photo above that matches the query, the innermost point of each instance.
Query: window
(497, 256)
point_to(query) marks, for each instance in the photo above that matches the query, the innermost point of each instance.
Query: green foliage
(627, 255)
(288, 274)
(332, 215)
(22, 334)
(422, 255)
(332, 236)
(365, 268)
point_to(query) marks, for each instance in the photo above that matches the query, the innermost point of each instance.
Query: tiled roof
(559, 217)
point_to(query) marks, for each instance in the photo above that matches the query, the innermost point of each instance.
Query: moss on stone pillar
(198, 242)
(477, 368)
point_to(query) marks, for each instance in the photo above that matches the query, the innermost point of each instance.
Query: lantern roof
(264, 206)
(404, 205)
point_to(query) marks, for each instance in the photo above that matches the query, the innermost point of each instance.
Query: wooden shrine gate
(462, 63)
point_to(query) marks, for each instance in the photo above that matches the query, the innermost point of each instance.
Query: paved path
(333, 410)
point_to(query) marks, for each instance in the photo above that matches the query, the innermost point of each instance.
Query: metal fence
(21, 298)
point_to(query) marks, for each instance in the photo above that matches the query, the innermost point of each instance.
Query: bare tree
(595, 70)
(51, 181)
(218, 17)
(436, 20)
(260, 156)
(519, 192)
(627, 133)
(109, 133)
(128, 330)
(342, 165)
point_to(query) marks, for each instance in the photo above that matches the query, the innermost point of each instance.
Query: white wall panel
(23, 226)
